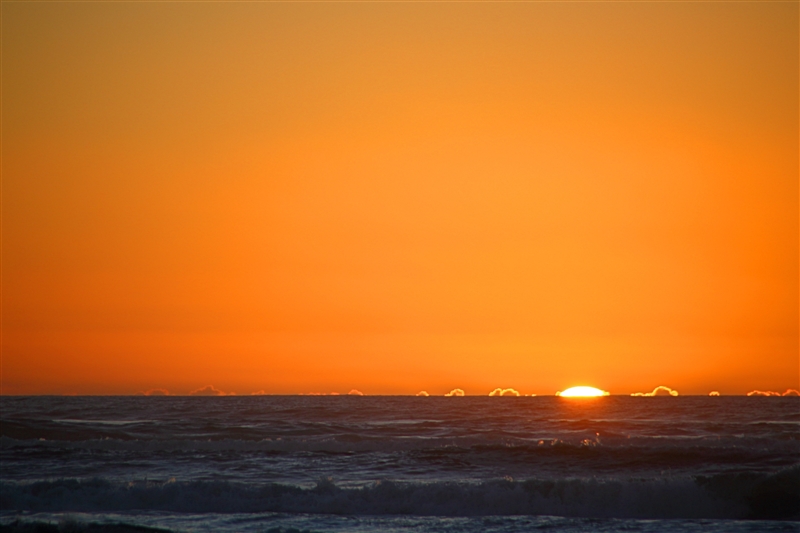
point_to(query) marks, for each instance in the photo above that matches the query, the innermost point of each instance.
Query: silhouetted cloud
(208, 390)
(455, 392)
(355, 392)
(661, 390)
(422, 393)
(714, 393)
(155, 392)
(763, 393)
(504, 392)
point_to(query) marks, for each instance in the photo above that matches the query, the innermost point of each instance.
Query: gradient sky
(297, 197)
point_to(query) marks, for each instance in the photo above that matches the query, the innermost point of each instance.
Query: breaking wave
(736, 496)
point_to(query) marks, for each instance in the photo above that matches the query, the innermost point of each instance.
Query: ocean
(400, 464)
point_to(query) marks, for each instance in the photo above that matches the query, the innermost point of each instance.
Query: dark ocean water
(277, 463)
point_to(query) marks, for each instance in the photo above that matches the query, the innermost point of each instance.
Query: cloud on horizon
(714, 393)
(155, 392)
(209, 390)
(661, 390)
(456, 392)
(504, 392)
(789, 392)
(355, 392)
(423, 393)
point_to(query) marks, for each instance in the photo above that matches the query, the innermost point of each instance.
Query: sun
(582, 392)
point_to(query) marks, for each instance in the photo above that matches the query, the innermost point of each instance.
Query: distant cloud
(422, 393)
(791, 392)
(764, 393)
(455, 392)
(156, 392)
(355, 392)
(335, 394)
(208, 390)
(714, 393)
(504, 392)
(661, 390)
(258, 393)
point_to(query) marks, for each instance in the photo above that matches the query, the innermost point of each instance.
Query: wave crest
(725, 496)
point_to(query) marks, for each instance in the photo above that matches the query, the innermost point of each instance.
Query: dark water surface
(402, 463)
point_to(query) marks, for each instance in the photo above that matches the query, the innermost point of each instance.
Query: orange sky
(297, 197)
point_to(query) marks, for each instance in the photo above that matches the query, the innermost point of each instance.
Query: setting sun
(582, 392)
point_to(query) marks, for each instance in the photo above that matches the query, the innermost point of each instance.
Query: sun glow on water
(582, 392)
